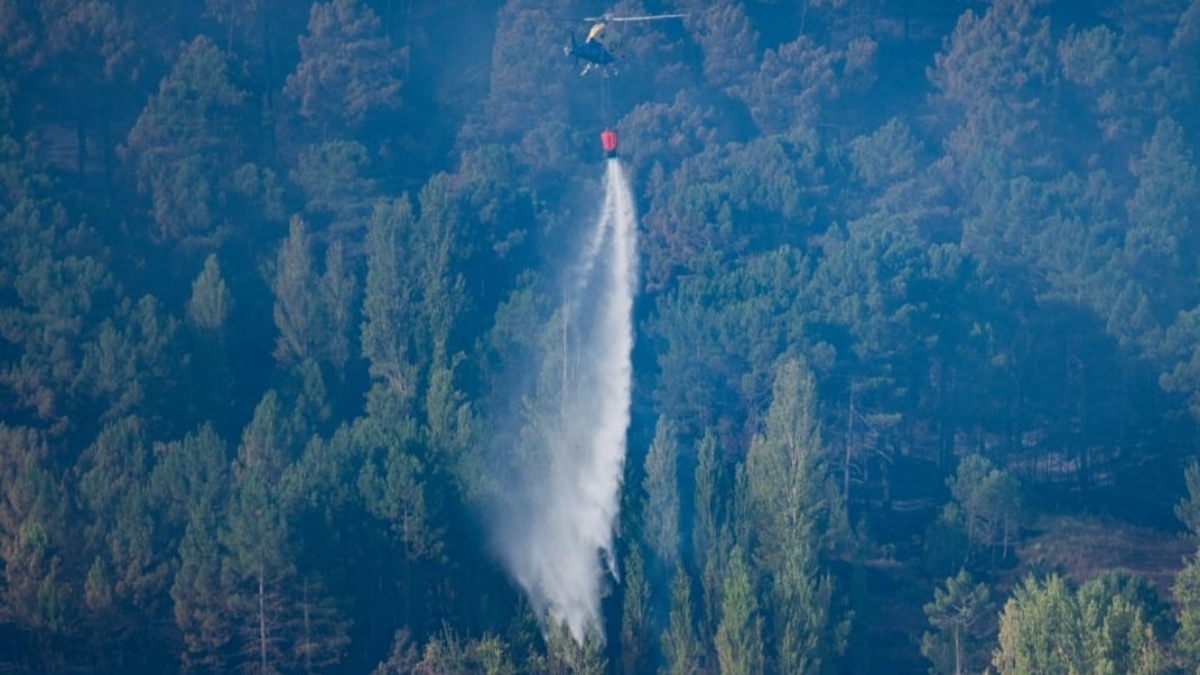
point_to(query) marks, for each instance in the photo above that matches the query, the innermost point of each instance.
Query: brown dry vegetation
(1082, 548)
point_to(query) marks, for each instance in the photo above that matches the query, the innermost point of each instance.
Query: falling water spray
(555, 529)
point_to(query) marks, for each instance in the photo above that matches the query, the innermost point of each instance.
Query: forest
(916, 359)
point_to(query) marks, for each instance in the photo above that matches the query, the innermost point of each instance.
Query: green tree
(450, 654)
(1047, 628)
(387, 298)
(989, 501)
(312, 312)
(992, 71)
(199, 593)
(711, 537)
(637, 649)
(88, 56)
(189, 474)
(348, 67)
(33, 536)
(797, 80)
(729, 41)
(1161, 214)
(296, 303)
(1121, 637)
(566, 656)
(789, 492)
(128, 363)
(334, 176)
(739, 641)
(1188, 510)
(338, 291)
(257, 573)
(184, 147)
(661, 487)
(322, 634)
(53, 287)
(681, 646)
(960, 613)
(210, 304)
(1186, 593)
(1040, 630)
(124, 536)
(259, 567)
(392, 485)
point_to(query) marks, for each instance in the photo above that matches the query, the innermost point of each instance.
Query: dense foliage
(917, 276)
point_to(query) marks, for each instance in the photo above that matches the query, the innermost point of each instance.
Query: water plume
(554, 525)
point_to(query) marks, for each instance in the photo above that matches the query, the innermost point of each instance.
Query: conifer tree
(637, 650)
(661, 487)
(296, 302)
(739, 641)
(960, 613)
(347, 69)
(787, 491)
(180, 146)
(680, 644)
(211, 303)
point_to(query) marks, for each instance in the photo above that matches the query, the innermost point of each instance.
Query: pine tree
(787, 493)
(182, 147)
(739, 641)
(211, 303)
(960, 613)
(387, 298)
(637, 650)
(680, 645)
(661, 487)
(296, 301)
(200, 595)
(348, 67)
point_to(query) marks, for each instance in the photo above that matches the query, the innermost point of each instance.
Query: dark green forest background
(917, 372)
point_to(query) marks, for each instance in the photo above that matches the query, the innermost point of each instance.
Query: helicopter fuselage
(591, 51)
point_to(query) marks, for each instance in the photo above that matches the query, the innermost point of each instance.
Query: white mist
(556, 529)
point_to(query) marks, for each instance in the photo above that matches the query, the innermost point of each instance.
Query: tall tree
(388, 297)
(199, 593)
(260, 567)
(313, 311)
(789, 491)
(33, 536)
(128, 363)
(989, 502)
(187, 143)
(681, 646)
(1040, 630)
(338, 190)
(960, 612)
(1187, 510)
(637, 649)
(1048, 628)
(739, 640)
(90, 56)
(124, 538)
(710, 532)
(210, 303)
(348, 67)
(661, 486)
(1186, 592)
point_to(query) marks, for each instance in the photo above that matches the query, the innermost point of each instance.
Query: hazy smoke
(555, 523)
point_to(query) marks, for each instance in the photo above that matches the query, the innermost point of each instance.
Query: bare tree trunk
(849, 448)
(262, 621)
(957, 652)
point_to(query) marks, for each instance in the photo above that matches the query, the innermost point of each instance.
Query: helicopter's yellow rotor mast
(596, 34)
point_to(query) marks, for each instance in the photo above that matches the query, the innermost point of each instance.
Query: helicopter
(596, 51)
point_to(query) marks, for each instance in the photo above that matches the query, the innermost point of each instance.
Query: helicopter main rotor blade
(654, 17)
